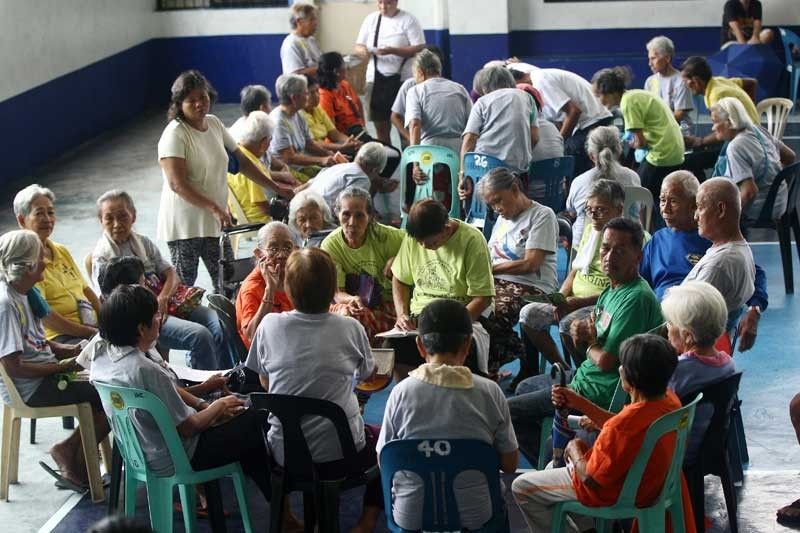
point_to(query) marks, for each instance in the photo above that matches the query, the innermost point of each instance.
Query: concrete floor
(126, 158)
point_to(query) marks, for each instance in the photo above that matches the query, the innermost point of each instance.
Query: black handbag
(384, 88)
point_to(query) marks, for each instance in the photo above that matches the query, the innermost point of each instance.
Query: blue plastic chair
(669, 500)
(427, 157)
(790, 39)
(437, 462)
(555, 174)
(475, 166)
(160, 488)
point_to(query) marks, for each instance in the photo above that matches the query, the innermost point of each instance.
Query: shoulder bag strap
(375, 42)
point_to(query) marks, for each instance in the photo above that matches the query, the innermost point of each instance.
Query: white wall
(538, 15)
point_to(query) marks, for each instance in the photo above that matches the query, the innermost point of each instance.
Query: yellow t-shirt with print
(319, 123)
(719, 87)
(459, 270)
(247, 192)
(63, 287)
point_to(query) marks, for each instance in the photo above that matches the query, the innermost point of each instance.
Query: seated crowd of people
(651, 314)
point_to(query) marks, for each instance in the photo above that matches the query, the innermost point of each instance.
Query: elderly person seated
(523, 248)
(502, 124)
(580, 289)
(32, 362)
(696, 74)
(213, 434)
(595, 476)
(673, 251)
(696, 315)
(322, 129)
(291, 140)
(73, 303)
(364, 172)
(626, 307)
(604, 149)
(262, 291)
(286, 355)
(742, 23)
(666, 81)
(650, 120)
(363, 250)
(440, 257)
(569, 102)
(751, 159)
(254, 137)
(311, 217)
(187, 325)
(728, 263)
(300, 51)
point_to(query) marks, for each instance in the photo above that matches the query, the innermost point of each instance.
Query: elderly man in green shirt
(627, 307)
(441, 257)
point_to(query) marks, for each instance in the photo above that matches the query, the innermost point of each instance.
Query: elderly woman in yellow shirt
(255, 134)
(73, 304)
(322, 128)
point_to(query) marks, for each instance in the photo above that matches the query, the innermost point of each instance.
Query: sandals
(202, 512)
(61, 481)
(790, 520)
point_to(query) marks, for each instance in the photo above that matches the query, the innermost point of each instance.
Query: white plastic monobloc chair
(643, 197)
(777, 111)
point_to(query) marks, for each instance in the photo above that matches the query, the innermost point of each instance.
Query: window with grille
(167, 5)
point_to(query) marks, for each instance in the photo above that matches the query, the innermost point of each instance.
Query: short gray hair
(353, 192)
(300, 11)
(610, 190)
(257, 126)
(20, 251)
(372, 157)
(115, 194)
(252, 97)
(271, 227)
(478, 82)
(696, 307)
(685, 179)
(732, 110)
(428, 63)
(497, 179)
(662, 46)
(302, 199)
(25, 197)
(288, 85)
(495, 78)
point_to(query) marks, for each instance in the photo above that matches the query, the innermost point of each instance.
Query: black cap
(447, 317)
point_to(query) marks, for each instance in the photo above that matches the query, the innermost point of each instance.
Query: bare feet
(70, 462)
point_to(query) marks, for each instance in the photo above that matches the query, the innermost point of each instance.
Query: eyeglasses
(275, 250)
(597, 211)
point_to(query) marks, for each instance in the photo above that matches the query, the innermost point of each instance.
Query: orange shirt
(612, 455)
(343, 106)
(249, 300)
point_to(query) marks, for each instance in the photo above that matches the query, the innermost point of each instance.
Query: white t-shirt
(579, 193)
(551, 143)
(559, 87)
(730, 268)
(127, 366)
(154, 262)
(535, 228)
(673, 90)
(23, 333)
(442, 106)
(206, 171)
(419, 409)
(316, 356)
(403, 29)
(399, 105)
(333, 180)
(502, 120)
(290, 132)
(299, 52)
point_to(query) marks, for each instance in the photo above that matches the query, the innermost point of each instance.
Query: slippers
(61, 481)
(786, 519)
(202, 512)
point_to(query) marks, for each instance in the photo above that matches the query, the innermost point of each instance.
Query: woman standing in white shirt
(391, 37)
(193, 154)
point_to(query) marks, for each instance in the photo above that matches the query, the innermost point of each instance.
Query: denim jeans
(531, 404)
(202, 336)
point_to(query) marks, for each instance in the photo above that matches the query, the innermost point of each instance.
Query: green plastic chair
(619, 399)
(670, 500)
(160, 488)
(427, 157)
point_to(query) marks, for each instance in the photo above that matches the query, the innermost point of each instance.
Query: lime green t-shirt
(319, 123)
(642, 110)
(382, 243)
(459, 270)
(595, 280)
(620, 313)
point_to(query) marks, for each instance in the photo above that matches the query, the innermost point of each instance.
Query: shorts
(47, 394)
